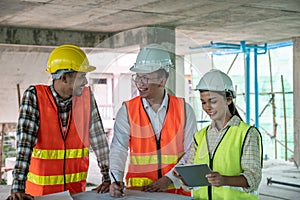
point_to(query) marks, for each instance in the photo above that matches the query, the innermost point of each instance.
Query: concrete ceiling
(197, 22)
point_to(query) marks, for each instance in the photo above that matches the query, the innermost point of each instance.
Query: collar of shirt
(234, 121)
(164, 103)
(63, 105)
(157, 118)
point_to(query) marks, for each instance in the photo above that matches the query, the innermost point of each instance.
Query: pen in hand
(118, 183)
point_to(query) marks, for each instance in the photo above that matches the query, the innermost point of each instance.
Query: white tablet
(194, 174)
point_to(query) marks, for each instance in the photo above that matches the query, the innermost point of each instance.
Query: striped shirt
(251, 157)
(28, 126)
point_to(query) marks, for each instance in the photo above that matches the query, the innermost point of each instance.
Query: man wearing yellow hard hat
(57, 125)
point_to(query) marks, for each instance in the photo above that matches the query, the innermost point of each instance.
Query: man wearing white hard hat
(231, 147)
(57, 124)
(156, 127)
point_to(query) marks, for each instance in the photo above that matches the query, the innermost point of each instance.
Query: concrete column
(180, 84)
(296, 77)
(165, 37)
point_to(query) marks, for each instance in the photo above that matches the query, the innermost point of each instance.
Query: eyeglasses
(143, 79)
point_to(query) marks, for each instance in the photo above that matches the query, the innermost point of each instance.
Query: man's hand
(117, 189)
(177, 175)
(104, 187)
(20, 196)
(159, 185)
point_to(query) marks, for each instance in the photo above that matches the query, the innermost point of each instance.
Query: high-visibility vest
(60, 159)
(226, 160)
(151, 157)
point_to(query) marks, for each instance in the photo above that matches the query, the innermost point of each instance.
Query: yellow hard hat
(68, 57)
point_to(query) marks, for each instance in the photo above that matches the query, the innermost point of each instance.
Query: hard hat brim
(88, 69)
(142, 71)
(82, 69)
(233, 93)
(148, 68)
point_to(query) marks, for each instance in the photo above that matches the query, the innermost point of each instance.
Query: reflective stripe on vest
(140, 182)
(151, 159)
(59, 154)
(56, 180)
(143, 160)
(226, 161)
(59, 159)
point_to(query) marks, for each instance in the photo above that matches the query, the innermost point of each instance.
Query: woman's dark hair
(232, 107)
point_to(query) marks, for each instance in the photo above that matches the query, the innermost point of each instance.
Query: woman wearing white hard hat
(230, 147)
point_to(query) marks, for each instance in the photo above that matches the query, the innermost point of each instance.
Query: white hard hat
(216, 80)
(152, 58)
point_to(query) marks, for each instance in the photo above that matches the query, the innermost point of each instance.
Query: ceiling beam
(50, 37)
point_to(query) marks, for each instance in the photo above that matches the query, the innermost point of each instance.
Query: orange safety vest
(60, 159)
(151, 157)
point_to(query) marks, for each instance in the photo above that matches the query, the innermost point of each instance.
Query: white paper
(55, 196)
(130, 195)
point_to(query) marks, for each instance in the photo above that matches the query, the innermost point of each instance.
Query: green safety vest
(226, 160)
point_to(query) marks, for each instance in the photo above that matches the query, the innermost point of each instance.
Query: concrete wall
(296, 100)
